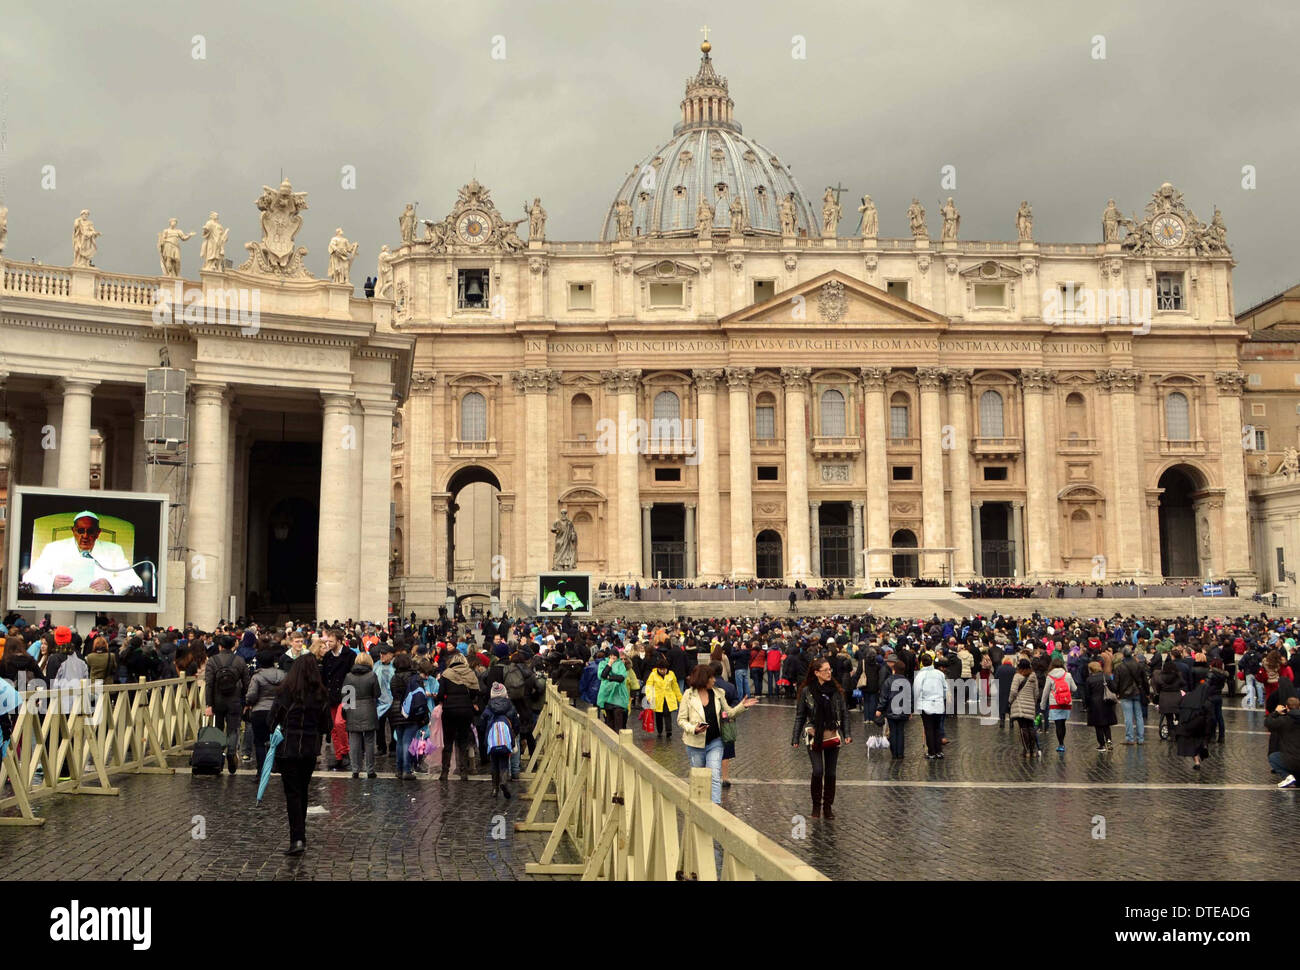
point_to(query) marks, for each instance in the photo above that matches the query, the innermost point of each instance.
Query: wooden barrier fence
(71, 741)
(627, 817)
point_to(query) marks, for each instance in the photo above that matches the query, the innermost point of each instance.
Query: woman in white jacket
(700, 716)
(930, 695)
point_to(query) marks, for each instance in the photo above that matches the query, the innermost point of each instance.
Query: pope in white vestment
(83, 564)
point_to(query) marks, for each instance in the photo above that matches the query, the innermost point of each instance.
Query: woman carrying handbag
(821, 720)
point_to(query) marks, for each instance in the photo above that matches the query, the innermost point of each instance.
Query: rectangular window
(1255, 380)
(580, 296)
(472, 289)
(1281, 565)
(896, 288)
(764, 290)
(902, 473)
(667, 294)
(898, 422)
(767, 473)
(668, 474)
(1261, 439)
(1257, 410)
(995, 473)
(765, 423)
(990, 295)
(1169, 291)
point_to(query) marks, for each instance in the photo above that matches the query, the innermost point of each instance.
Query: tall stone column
(536, 385)
(876, 437)
(710, 511)
(334, 600)
(204, 559)
(647, 559)
(690, 540)
(796, 470)
(1236, 537)
(139, 453)
(419, 478)
(74, 438)
(54, 436)
(857, 544)
(228, 526)
(627, 547)
(814, 533)
(742, 495)
(1018, 537)
(444, 574)
(1127, 507)
(932, 495)
(959, 470)
(377, 449)
(356, 461)
(1040, 502)
(977, 537)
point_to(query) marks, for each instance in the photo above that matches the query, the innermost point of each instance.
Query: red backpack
(1061, 696)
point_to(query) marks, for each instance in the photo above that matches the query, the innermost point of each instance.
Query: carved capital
(624, 265)
(1119, 379)
(923, 262)
(737, 261)
(621, 381)
(873, 378)
(706, 264)
(534, 380)
(1230, 382)
(796, 378)
(791, 262)
(423, 381)
(706, 378)
(930, 377)
(1029, 266)
(872, 261)
(1036, 379)
(738, 377)
(536, 265)
(950, 264)
(959, 378)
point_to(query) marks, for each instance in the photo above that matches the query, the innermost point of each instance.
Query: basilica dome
(708, 157)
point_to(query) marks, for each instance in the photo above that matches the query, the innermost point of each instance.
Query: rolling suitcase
(209, 751)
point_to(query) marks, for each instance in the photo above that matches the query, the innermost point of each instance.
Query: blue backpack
(589, 686)
(499, 737)
(415, 706)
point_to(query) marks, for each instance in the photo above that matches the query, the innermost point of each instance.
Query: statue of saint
(704, 219)
(566, 542)
(84, 235)
(1110, 219)
(786, 210)
(916, 219)
(737, 209)
(406, 222)
(830, 214)
(869, 224)
(510, 237)
(342, 253)
(536, 220)
(213, 250)
(435, 233)
(1290, 467)
(1025, 222)
(951, 220)
(384, 276)
(169, 248)
(623, 220)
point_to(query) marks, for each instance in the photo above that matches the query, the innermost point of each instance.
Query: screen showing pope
(83, 563)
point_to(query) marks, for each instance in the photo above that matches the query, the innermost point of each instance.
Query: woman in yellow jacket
(703, 710)
(663, 695)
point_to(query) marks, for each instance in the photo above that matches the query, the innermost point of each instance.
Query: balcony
(578, 446)
(995, 447)
(473, 449)
(836, 446)
(902, 444)
(1076, 444)
(1181, 446)
(671, 447)
(767, 446)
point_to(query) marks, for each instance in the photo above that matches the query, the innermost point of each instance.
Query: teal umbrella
(268, 762)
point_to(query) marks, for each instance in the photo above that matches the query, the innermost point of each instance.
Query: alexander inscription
(272, 355)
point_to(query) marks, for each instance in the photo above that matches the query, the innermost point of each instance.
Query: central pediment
(835, 299)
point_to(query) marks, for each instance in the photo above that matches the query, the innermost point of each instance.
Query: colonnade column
(875, 440)
(420, 522)
(857, 544)
(1236, 536)
(627, 535)
(959, 471)
(710, 512)
(1018, 537)
(977, 537)
(203, 557)
(356, 442)
(139, 454)
(690, 541)
(537, 384)
(814, 534)
(1127, 507)
(334, 600)
(74, 443)
(932, 504)
(53, 421)
(376, 488)
(647, 560)
(796, 470)
(742, 495)
(1034, 384)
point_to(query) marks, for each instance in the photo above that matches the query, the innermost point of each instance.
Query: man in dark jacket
(677, 662)
(1284, 725)
(225, 683)
(334, 668)
(1004, 673)
(1132, 687)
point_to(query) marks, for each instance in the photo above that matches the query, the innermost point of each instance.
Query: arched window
(1076, 416)
(833, 414)
(991, 415)
(899, 421)
(1178, 418)
(666, 423)
(580, 417)
(473, 417)
(765, 417)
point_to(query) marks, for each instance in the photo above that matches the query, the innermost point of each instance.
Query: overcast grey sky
(408, 92)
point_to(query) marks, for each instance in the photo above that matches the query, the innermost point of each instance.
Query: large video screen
(561, 593)
(87, 550)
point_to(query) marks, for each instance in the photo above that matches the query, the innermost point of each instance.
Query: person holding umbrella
(301, 713)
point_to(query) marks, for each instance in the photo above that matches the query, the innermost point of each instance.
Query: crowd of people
(441, 695)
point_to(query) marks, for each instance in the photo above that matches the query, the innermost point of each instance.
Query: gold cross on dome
(705, 31)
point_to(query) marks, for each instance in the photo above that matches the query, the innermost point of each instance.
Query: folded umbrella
(268, 763)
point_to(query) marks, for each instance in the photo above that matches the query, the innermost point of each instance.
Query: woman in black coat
(569, 675)
(1101, 712)
(1168, 684)
(302, 713)
(1195, 724)
(821, 711)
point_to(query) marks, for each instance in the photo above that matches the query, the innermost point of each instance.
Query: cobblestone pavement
(376, 829)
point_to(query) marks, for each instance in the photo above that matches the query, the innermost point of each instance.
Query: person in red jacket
(757, 664)
(774, 659)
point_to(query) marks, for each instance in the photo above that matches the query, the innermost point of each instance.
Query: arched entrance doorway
(1179, 543)
(472, 530)
(767, 555)
(905, 563)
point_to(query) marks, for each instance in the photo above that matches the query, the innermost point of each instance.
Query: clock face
(474, 227)
(1168, 231)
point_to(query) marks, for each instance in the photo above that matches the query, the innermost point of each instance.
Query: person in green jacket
(613, 697)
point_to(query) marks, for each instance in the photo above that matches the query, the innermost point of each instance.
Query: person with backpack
(1058, 696)
(226, 682)
(360, 714)
(263, 688)
(302, 713)
(404, 680)
(458, 690)
(384, 674)
(526, 695)
(498, 731)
